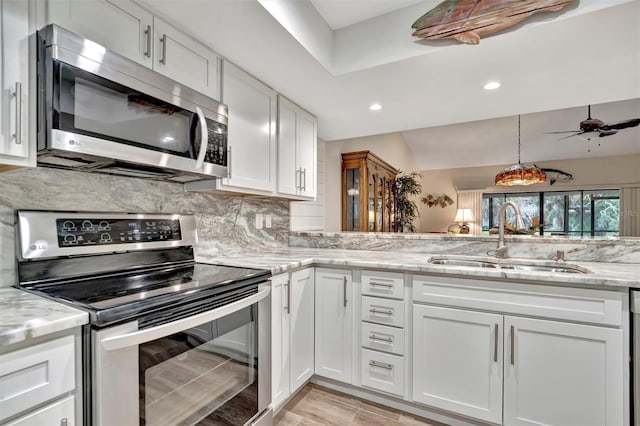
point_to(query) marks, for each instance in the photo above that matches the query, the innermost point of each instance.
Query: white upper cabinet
(297, 147)
(183, 59)
(119, 25)
(251, 131)
(131, 31)
(16, 148)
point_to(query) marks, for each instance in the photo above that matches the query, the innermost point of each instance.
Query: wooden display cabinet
(368, 201)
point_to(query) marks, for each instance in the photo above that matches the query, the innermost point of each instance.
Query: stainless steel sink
(456, 262)
(509, 264)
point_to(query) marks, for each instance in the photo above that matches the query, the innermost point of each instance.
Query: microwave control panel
(85, 232)
(216, 144)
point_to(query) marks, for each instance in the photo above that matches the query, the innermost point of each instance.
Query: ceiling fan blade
(564, 131)
(570, 136)
(625, 124)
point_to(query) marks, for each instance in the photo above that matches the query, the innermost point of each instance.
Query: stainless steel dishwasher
(635, 348)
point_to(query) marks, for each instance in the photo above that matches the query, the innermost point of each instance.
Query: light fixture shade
(464, 215)
(520, 174)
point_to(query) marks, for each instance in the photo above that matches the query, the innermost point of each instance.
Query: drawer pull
(373, 283)
(381, 365)
(381, 339)
(379, 311)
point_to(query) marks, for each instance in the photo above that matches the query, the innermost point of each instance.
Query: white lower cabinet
(512, 370)
(457, 361)
(292, 330)
(44, 376)
(334, 324)
(562, 374)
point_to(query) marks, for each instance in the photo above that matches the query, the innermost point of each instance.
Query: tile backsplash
(225, 223)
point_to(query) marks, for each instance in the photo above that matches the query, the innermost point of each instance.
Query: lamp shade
(464, 215)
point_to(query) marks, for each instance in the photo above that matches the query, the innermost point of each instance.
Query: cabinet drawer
(36, 374)
(383, 372)
(54, 414)
(565, 303)
(386, 284)
(383, 338)
(383, 311)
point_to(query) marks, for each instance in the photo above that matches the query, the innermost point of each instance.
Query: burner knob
(87, 224)
(105, 238)
(104, 224)
(68, 225)
(69, 238)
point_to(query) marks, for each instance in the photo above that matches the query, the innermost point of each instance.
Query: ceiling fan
(594, 125)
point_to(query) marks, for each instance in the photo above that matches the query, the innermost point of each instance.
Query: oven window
(206, 375)
(94, 106)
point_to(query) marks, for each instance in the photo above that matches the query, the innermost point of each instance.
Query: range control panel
(74, 232)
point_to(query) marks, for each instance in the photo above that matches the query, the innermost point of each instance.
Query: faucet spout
(501, 251)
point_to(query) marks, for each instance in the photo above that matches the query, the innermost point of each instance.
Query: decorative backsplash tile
(225, 223)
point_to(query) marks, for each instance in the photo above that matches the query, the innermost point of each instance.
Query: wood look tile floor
(316, 405)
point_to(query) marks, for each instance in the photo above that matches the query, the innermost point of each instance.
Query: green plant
(406, 185)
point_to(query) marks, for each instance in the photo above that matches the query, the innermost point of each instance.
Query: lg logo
(38, 246)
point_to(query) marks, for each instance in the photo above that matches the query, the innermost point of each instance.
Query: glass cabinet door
(372, 203)
(353, 199)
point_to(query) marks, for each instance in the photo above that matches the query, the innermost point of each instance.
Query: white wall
(309, 215)
(602, 172)
(390, 147)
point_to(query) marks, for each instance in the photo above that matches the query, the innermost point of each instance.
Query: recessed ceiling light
(375, 107)
(492, 85)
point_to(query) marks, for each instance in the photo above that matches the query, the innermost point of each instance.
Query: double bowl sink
(509, 264)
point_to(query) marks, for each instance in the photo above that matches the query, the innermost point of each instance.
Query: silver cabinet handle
(381, 365)
(373, 283)
(304, 182)
(229, 163)
(299, 179)
(378, 311)
(495, 343)
(18, 95)
(381, 339)
(163, 58)
(513, 335)
(64, 422)
(204, 137)
(147, 34)
(288, 307)
(344, 290)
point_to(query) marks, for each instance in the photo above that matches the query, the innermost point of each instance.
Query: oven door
(212, 367)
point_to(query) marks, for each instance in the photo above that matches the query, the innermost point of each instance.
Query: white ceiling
(588, 54)
(341, 13)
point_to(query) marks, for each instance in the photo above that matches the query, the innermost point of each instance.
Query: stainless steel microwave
(101, 112)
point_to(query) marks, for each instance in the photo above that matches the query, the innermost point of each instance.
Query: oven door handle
(204, 137)
(142, 336)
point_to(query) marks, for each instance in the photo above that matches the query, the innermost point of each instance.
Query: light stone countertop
(618, 275)
(25, 316)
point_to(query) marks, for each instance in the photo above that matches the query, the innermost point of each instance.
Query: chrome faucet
(501, 251)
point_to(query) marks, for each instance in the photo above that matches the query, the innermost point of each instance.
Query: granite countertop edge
(25, 316)
(612, 275)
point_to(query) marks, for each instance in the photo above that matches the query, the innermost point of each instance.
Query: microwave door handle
(147, 335)
(204, 137)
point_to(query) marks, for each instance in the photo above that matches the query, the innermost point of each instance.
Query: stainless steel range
(170, 341)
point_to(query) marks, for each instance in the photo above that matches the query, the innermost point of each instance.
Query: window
(579, 213)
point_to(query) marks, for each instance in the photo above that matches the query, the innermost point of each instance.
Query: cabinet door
(14, 80)
(288, 171)
(334, 323)
(280, 338)
(457, 361)
(118, 25)
(562, 374)
(183, 59)
(306, 152)
(251, 132)
(301, 328)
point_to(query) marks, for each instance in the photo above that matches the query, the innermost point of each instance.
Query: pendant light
(520, 174)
